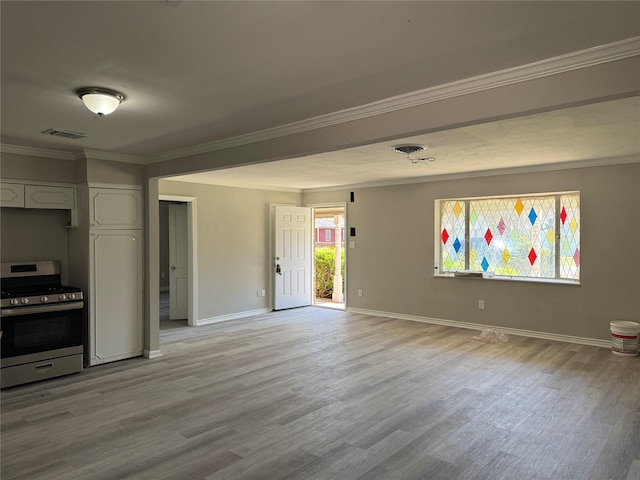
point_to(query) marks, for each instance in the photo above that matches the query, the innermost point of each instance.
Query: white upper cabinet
(12, 195)
(24, 195)
(119, 209)
(42, 196)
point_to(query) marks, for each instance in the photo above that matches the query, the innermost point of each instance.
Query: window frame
(438, 245)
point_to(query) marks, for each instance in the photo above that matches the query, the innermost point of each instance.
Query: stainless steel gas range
(41, 322)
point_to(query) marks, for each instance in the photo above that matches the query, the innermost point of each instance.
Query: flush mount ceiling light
(409, 149)
(101, 101)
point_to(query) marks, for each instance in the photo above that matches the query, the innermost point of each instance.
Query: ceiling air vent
(63, 133)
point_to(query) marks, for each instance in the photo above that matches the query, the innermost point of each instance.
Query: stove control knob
(24, 301)
(14, 301)
(44, 299)
(71, 296)
(62, 297)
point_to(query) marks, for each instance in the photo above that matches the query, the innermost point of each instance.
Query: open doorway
(178, 262)
(329, 257)
(173, 265)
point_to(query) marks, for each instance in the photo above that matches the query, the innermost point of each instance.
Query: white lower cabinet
(116, 295)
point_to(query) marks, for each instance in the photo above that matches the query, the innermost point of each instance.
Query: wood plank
(315, 393)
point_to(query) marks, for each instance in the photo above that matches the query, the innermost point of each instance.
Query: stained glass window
(527, 236)
(569, 236)
(452, 226)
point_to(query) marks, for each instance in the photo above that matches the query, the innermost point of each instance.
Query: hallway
(165, 323)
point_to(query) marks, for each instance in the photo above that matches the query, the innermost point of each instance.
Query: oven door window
(26, 334)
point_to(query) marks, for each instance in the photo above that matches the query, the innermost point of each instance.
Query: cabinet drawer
(40, 196)
(35, 371)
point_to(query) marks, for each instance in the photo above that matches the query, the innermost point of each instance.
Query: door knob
(173, 268)
(278, 270)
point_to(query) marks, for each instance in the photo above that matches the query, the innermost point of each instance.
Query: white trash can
(624, 337)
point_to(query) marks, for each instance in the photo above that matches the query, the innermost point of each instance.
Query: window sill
(553, 281)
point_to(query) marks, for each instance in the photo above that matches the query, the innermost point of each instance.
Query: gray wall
(33, 234)
(26, 167)
(105, 171)
(233, 258)
(394, 256)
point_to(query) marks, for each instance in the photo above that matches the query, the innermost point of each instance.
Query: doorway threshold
(328, 303)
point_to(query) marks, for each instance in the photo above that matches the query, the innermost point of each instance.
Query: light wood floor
(323, 394)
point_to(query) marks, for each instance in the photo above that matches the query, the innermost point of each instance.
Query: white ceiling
(198, 72)
(606, 130)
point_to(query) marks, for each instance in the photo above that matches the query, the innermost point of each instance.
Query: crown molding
(218, 183)
(37, 152)
(110, 156)
(544, 68)
(78, 155)
(548, 167)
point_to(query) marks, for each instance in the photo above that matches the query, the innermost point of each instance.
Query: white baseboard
(152, 354)
(231, 316)
(477, 326)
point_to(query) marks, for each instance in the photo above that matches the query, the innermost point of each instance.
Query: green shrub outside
(325, 268)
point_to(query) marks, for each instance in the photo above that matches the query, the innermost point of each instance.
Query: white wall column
(338, 295)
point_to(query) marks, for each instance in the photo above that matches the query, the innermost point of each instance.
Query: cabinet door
(112, 208)
(11, 195)
(41, 196)
(115, 304)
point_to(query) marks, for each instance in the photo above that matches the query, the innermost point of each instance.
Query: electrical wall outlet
(481, 304)
(359, 292)
(263, 292)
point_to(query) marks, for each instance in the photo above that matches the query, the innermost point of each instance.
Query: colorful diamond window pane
(551, 236)
(488, 236)
(457, 209)
(484, 264)
(501, 227)
(532, 256)
(519, 206)
(563, 215)
(445, 236)
(457, 245)
(533, 216)
(573, 226)
(506, 256)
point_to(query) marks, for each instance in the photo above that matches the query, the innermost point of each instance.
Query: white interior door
(178, 262)
(293, 262)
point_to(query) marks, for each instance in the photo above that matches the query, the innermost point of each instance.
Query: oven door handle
(56, 307)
